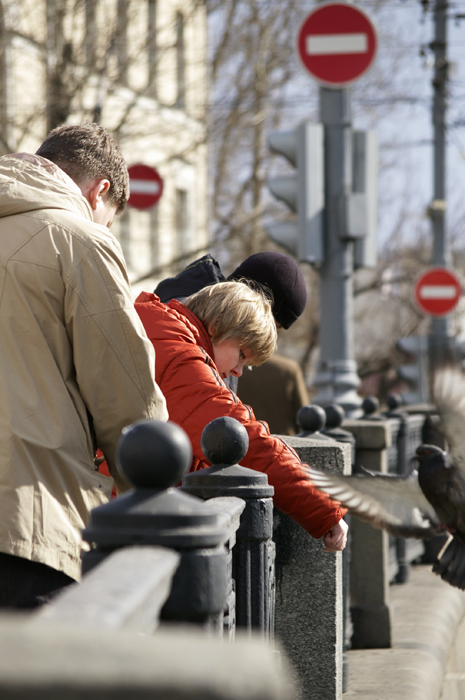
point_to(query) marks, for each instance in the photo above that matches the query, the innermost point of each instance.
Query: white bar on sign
(436, 291)
(324, 44)
(143, 187)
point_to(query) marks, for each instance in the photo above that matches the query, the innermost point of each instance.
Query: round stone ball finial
(153, 454)
(335, 415)
(393, 401)
(370, 404)
(224, 441)
(311, 418)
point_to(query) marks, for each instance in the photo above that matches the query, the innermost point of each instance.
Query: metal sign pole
(440, 327)
(336, 376)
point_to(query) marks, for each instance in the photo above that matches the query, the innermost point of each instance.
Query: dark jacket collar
(196, 276)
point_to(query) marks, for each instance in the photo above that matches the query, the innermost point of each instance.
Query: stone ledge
(53, 661)
(369, 435)
(426, 614)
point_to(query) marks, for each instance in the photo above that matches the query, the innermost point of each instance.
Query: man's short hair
(85, 152)
(236, 311)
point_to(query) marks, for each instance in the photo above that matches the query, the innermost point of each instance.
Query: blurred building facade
(139, 67)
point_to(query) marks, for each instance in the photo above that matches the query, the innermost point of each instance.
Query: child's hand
(336, 539)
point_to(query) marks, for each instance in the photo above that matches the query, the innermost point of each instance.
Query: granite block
(309, 606)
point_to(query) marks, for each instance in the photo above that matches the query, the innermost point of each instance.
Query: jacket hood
(175, 322)
(29, 183)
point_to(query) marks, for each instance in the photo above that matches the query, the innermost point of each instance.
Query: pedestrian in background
(276, 390)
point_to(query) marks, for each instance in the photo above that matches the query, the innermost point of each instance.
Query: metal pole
(440, 327)
(336, 376)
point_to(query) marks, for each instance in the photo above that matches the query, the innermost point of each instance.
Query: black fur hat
(283, 277)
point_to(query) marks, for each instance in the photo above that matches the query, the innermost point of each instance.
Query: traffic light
(416, 372)
(365, 188)
(303, 192)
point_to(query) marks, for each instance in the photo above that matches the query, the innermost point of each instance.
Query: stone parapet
(53, 661)
(426, 613)
(369, 565)
(309, 605)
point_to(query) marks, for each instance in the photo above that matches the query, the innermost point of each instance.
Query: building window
(125, 236)
(121, 40)
(90, 39)
(182, 222)
(152, 47)
(154, 243)
(60, 63)
(4, 43)
(180, 61)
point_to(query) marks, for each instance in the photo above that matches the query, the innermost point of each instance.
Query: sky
(406, 133)
(395, 99)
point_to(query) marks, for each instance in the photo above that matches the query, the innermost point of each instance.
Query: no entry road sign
(145, 186)
(437, 291)
(337, 44)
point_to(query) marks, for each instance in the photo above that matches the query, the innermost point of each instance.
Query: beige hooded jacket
(75, 362)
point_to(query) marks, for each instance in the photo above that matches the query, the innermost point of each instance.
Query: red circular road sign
(145, 186)
(337, 44)
(437, 291)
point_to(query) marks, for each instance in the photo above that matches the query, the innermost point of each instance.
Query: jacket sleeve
(196, 395)
(114, 361)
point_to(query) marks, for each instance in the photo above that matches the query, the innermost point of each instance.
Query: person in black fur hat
(278, 272)
(283, 277)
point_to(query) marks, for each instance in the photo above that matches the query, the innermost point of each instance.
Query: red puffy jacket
(195, 395)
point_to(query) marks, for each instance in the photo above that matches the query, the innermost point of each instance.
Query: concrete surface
(428, 645)
(369, 547)
(454, 680)
(309, 605)
(50, 661)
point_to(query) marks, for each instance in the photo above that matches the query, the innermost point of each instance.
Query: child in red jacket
(212, 335)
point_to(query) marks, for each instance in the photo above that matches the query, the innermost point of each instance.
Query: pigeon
(428, 501)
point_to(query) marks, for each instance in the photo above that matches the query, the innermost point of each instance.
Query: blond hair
(237, 311)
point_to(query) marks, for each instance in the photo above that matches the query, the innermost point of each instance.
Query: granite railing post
(395, 427)
(370, 407)
(409, 436)
(224, 443)
(309, 597)
(431, 435)
(312, 420)
(369, 570)
(154, 456)
(335, 415)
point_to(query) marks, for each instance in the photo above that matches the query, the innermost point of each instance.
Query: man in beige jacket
(75, 363)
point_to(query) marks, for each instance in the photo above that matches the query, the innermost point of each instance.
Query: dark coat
(276, 391)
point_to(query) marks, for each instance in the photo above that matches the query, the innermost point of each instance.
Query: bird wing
(390, 502)
(449, 397)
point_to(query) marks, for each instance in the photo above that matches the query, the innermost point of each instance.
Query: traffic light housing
(416, 372)
(365, 187)
(303, 192)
